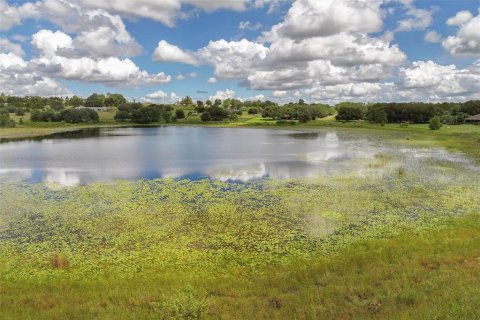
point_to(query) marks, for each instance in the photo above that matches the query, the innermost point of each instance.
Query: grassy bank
(391, 247)
(37, 129)
(432, 275)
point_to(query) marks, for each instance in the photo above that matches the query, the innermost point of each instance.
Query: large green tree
(349, 113)
(95, 101)
(114, 100)
(75, 101)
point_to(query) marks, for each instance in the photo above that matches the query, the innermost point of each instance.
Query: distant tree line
(69, 116)
(301, 112)
(76, 110)
(414, 112)
(21, 105)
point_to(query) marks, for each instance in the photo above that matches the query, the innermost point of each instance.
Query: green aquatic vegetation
(189, 236)
(127, 228)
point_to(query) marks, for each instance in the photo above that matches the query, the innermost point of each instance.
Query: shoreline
(462, 138)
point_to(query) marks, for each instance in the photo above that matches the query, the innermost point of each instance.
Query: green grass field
(432, 275)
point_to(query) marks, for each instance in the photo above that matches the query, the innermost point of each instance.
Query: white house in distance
(97, 109)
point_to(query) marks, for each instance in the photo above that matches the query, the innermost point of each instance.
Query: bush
(78, 116)
(180, 114)
(129, 107)
(206, 117)
(304, 118)
(122, 116)
(233, 117)
(44, 116)
(5, 121)
(70, 116)
(147, 115)
(19, 112)
(218, 113)
(166, 116)
(253, 111)
(435, 123)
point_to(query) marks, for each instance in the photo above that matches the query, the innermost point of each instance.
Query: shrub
(218, 113)
(122, 116)
(129, 107)
(147, 115)
(233, 117)
(166, 116)
(180, 114)
(77, 116)
(304, 118)
(435, 123)
(5, 121)
(43, 116)
(206, 116)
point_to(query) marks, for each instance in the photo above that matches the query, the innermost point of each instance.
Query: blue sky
(328, 51)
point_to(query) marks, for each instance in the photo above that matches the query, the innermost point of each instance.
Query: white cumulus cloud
(432, 37)
(166, 52)
(467, 39)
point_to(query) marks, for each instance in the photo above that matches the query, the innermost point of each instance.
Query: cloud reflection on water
(222, 154)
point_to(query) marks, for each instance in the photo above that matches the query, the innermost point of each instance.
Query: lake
(226, 154)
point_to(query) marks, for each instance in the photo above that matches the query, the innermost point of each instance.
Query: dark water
(184, 152)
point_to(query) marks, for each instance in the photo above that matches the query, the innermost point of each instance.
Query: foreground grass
(431, 275)
(397, 247)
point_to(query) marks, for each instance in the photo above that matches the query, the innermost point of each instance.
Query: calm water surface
(197, 152)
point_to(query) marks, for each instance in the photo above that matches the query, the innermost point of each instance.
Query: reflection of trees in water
(74, 134)
(305, 135)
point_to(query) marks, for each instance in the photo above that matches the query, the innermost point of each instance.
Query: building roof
(474, 118)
